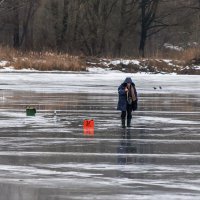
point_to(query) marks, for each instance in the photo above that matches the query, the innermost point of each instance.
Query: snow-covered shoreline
(147, 66)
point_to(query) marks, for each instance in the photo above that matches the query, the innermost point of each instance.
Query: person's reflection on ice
(125, 147)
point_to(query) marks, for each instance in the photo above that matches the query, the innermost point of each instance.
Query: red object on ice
(88, 127)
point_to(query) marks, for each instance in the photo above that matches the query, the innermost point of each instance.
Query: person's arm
(122, 90)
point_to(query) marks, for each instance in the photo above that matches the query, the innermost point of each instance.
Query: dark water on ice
(48, 157)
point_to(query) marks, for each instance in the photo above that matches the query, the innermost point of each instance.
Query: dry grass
(47, 61)
(190, 54)
(43, 61)
(185, 56)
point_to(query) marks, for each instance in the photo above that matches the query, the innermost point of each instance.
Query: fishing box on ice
(30, 111)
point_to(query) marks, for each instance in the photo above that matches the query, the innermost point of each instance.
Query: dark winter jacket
(122, 103)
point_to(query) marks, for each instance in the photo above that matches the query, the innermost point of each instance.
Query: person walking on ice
(127, 101)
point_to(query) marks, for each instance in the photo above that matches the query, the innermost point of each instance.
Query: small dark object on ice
(30, 111)
(160, 87)
(154, 88)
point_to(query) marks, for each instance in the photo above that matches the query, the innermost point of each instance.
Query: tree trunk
(26, 23)
(64, 25)
(143, 34)
(16, 28)
(118, 45)
(142, 43)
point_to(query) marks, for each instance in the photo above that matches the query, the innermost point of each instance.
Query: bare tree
(153, 20)
(148, 14)
(126, 22)
(20, 13)
(16, 24)
(95, 26)
(99, 27)
(29, 12)
(64, 23)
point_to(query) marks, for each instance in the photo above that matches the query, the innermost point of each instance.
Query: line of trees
(99, 27)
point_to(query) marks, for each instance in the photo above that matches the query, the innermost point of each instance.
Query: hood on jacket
(128, 80)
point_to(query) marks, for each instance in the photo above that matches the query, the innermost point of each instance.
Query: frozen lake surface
(47, 157)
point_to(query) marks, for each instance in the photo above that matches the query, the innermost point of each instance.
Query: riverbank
(150, 65)
(11, 59)
(41, 61)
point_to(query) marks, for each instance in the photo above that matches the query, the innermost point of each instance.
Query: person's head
(128, 81)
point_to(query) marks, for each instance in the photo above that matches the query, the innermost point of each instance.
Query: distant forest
(112, 28)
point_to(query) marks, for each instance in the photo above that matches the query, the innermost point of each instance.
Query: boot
(128, 122)
(123, 123)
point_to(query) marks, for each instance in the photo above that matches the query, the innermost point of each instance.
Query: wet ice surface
(49, 157)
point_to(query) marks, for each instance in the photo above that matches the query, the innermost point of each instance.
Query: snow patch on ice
(164, 120)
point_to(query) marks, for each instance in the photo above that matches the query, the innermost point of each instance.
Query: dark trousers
(128, 112)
